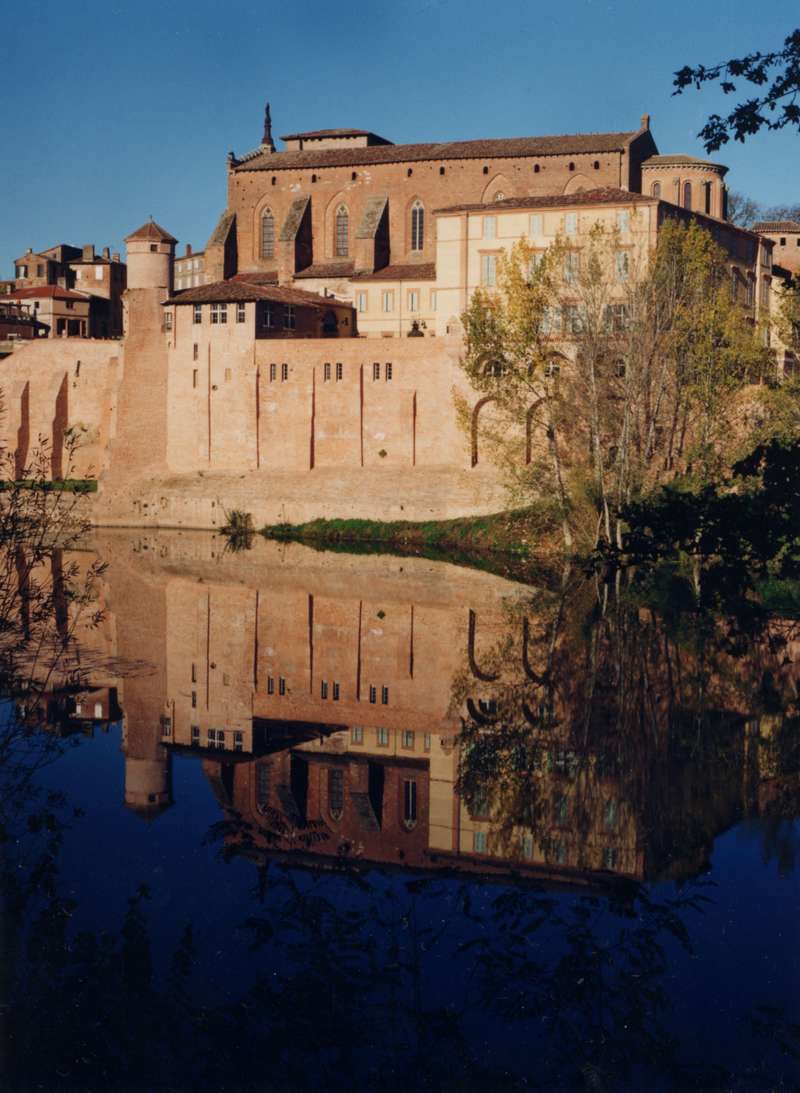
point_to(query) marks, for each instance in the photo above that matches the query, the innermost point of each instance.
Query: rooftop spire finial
(267, 137)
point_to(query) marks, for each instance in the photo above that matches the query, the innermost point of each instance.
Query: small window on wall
(238, 740)
(388, 371)
(240, 313)
(281, 685)
(194, 377)
(197, 314)
(571, 266)
(273, 372)
(623, 220)
(326, 371)
(433, 299)
(357, 734)
(490, 227)
(196, 734)
(267, 233)
(373, 695)
(382, 737)
(489, 269)
(361, 302)
(385, 696)
(376, 371)
(98, 273)
(408, 739)
(168, 321)
(323, 689)
(687, 195)
(289, 317)
(623, 265)
(219, 314)
(339, 371)
(387, 301)
(284, 373)
(655, 189)
(413, 300)
(342, 233)
(417, 225)
(571, 223)
(479, 842)
(270, 685)
(536, 224)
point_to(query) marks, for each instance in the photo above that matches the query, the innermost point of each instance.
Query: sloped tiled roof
(41, 292)
(776, 226)
(257, 278)
(505, 147)
(152, 231)
(691, 161)
(606, 195)
(317, 134)
(409, 271)
(327, 269)
(236, 291)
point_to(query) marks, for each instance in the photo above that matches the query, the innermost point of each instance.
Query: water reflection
(381, 710)
(459, 796)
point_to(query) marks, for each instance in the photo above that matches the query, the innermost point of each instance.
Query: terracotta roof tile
(410, 271)
(41, 292)
(776, 226)
(151, 230)
(257, 278)
(602, 196)
(692, 161)
(327, 269)
(316, 134)
(236, 291)
(506, 147)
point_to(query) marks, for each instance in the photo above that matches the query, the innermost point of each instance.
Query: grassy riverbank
(518, 534)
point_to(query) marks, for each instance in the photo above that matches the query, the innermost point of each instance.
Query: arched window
(336, 793)
(655, 189)
(687, 195)
(409, 803)
(267, 234)
(341, 247)
(417, 225)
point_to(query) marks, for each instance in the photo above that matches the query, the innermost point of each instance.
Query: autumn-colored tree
(632, 364)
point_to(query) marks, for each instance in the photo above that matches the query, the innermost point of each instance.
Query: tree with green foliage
(631, 367)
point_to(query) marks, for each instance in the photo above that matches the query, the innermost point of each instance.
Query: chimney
(115, 256)
(88, 252)
(645, 122)
(106, 253)
(188, 250)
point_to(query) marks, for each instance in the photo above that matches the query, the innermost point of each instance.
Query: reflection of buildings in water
(317, 690)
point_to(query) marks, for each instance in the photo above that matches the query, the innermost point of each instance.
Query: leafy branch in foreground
(775, 73)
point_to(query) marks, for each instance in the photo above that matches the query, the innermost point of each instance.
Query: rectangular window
(413, 300)
(98, 273)
(387, 301)
(281, 685)
(536, 224)
(409, 802)
(194, 673)
(609, 857)
(361, 302)
(574, 321)
(326, 371)
(551, 320)
(240, 312)
(288, 317)
(490, 227)
(376, 371)
(527, 846)
(571, 224)
(335, 691)
(195, 734)
(166, 722)
(479, 842)
(273, 372)
(195, 351)
(623, 261)
(194, 700)
(384, 696)
(765, 292)
(168, 321)
(197, 313)
(426, 741)
(357, 734)
(489, 269)
(323, 689)
(388, 371)
(750, 292)
(616, 317)
(238, 740)
(216, 738)
(373, 695)
(284, 373)
(215, 314)
(270, 685)
(571, 262)
(623, 220)
(194, 377)
(408, 739)
(267, 317)
(339, 371)
(433, 297)
(382, 737)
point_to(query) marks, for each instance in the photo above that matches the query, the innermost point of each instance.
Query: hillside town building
(309, 368)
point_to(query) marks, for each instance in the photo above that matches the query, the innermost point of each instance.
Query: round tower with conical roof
(151, 257)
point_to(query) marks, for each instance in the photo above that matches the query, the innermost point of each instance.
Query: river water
(297, 819)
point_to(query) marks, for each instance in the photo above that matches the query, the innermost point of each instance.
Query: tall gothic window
(687, 195)
(655, 189)
(342, 236)
(267, 234)
(336, 793)
(417, 225)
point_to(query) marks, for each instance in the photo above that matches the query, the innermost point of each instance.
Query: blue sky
(114, 112)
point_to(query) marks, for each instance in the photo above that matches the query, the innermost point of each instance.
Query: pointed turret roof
(152, 231)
